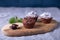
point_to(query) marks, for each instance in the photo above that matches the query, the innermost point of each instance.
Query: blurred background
(29, 3)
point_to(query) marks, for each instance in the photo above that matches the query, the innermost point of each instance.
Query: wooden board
(39, 28)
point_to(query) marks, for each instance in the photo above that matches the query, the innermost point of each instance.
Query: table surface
(7, 13)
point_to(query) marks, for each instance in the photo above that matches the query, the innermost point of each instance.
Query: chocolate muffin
(46, 20)
(46, 17)
(29, 20)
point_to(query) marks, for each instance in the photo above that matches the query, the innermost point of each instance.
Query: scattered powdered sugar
(45, 15)
(31, 14)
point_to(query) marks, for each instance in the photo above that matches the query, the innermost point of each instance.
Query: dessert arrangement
(31, 24)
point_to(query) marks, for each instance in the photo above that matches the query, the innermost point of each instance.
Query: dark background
(29, 3)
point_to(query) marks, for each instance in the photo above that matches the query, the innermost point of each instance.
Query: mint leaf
(15, 20)
(12, 20)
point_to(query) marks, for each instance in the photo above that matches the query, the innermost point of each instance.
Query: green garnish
(15, 20)
(20, 20)
(12, 20)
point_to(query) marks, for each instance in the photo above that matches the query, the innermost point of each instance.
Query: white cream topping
(45, 15)
(31, 14)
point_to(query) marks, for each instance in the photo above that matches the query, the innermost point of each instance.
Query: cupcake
(30, 19)
(45, 17)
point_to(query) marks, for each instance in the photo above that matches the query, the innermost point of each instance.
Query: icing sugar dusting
(45, 15)
(31, 14)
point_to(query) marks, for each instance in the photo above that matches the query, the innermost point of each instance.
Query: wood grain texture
(39, 28)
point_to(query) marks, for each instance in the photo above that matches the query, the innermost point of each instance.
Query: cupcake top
(31, 14)
(45, 15)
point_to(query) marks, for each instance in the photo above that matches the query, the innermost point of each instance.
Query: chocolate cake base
(39, 28)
